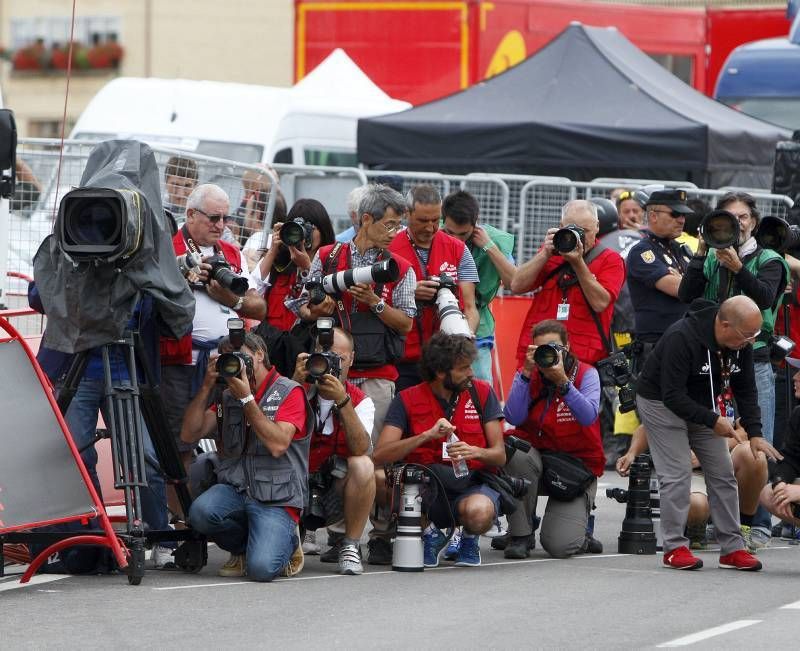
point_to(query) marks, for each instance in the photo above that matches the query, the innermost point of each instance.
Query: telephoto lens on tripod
(637, 535)
(408, 553)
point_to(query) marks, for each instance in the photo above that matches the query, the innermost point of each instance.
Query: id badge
(445, 456)
(562, 314)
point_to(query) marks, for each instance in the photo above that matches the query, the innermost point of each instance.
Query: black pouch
(376, 344)
(564, 477)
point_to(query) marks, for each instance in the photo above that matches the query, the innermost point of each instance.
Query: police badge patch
(648, 256)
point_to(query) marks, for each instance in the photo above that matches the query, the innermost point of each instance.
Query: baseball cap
(672, 198)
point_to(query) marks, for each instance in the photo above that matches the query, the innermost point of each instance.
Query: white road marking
(792, 606)
(37, 579)
(710, 632)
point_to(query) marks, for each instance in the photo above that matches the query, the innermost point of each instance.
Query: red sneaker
(682, 559)
(740, 560)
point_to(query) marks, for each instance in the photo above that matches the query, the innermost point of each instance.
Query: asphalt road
(596, 601)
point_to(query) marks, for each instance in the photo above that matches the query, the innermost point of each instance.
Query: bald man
(685, 398)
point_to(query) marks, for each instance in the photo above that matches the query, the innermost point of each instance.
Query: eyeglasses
(751, 337)
(394, 228)
(214, 219)
(671, 213)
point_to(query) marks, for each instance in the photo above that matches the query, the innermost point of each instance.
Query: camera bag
(564, 477)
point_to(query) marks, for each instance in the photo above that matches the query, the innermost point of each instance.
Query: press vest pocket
(271, 486)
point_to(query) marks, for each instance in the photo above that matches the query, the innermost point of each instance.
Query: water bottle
(460, 467)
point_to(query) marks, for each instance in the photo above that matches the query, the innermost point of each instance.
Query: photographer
(418, 428)
(685, 398)
(343, 422)
(184, 360)
(553, 402)
(781, 496)
(266, 424)
(491, 249)
(432, 253)
(578, 287)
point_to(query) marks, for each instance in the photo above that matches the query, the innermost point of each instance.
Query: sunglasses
(214, 219)
(671, 213)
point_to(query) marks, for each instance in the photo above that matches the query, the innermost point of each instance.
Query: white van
(312, 123)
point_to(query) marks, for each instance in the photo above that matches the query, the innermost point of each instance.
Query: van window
(283, 156)
(783, 111)
(331, 158)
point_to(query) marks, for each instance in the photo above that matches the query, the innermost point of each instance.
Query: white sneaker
(163, 558)
(350, 560)
(310, 546)
(496, 530)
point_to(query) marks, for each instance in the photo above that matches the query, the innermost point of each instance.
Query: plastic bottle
(460, 467)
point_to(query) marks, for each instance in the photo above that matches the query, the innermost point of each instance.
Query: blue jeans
(81, 418)
(239, 524)
(482, 366)
(765, 385)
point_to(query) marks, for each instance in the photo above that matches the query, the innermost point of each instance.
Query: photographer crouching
(341, 480)
(554, 402)
(445, 423)
(265, 429)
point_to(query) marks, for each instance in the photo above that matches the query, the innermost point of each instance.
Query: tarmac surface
(604, 601)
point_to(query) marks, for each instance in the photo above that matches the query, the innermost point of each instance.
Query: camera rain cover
(90, 304)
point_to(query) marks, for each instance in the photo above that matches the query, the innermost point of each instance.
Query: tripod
(127, 404)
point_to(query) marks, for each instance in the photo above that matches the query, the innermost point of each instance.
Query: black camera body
(231, 364)
(222, 273)
(514, 443)
(547, 355)
(780, 346)
(326, 361)
(297, 232)
(720, 229)
(616, 371)
(566, 239)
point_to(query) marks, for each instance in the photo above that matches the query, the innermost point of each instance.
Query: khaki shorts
(699, 482)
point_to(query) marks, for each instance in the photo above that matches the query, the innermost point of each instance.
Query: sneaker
(310, 546)
(789, 532)
(234, 567)
(682, 559)
(469, 553)
(434, 542)
(501, 542)
(591, 545)
(696, 533)
(519, 547)
(331, 555)
(740, 560)
(759, 538)
(496, 531)
(350, 560)
(379, 552)
(297, 561)
(163, 558)
(746, 531)
(452, 548)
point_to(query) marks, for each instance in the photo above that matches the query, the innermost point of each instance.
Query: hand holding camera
(729, 259)
(365, 294)
(426, 290)
(549, 359)
(331, 388)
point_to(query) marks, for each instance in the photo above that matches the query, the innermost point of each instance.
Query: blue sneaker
(469, 552)
(451, 552)
(434, 544)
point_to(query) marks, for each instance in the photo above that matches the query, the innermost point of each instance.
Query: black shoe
(591, 546)
(331, 555)
(519, 547)
(500, 542)
(379, 552)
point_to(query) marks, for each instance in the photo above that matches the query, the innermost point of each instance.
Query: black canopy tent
(589, 104)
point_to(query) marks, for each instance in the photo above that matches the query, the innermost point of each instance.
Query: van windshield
(783, 111)
(233, 151)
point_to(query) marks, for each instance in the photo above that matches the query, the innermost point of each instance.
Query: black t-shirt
(398, 417)
(649, 261)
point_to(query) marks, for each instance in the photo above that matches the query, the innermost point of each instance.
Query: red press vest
(583, 334)
(278, 314)
(323, 447)
(424, 409)
(176, 352)
(445, 254)
(387, 371)
(559, 430)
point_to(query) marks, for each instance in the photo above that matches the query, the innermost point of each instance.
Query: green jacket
(489, 283)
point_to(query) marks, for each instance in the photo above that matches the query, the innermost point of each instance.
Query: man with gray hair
(573, 279)
(184, 360)
(353, 199)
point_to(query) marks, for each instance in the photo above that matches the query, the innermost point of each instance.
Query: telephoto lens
(720, 229)
(566, 239)
(777, 234)
(452, 320)
(231, 364)
(546, 355)
(295, 233)
(637, 535)
(221, 272)
(408, 553)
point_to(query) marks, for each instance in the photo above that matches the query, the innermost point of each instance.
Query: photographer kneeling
(419, 427)
(554, 403)
(266, 423)
(341, 474)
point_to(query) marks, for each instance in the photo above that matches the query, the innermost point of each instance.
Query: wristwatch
(563, 389)
(379, 307)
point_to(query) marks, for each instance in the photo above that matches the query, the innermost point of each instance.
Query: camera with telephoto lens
(231, 364)
(780, 346)
(326, 361)
(297, 232)
(384, 271)
(221, 272)
(777, 234)
(451, 319)
(547, 355)
(615, 371)
(566, 239)
(638, 534)
(720, 229)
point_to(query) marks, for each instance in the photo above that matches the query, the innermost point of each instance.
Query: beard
(452, 386)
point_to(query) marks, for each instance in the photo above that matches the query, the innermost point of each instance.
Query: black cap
(672, 198)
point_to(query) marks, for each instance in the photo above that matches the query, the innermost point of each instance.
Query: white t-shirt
(365, 410)
(211, 318)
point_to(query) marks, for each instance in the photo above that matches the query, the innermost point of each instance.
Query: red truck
(425, 49)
